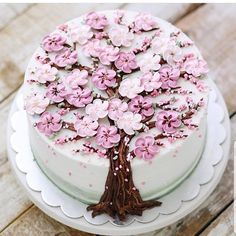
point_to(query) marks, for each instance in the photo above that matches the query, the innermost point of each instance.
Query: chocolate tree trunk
(120, 197)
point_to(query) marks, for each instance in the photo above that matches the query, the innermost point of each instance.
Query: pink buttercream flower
(77, 78)
(173, 55)
(144, 22)
(169, 76)
(56, 92)
(79, 97)
(92, 48)
(66, 57)
(126, 62)
(151, 82)
(86, 126)
(116, 108)
(130, 87)
(107, 136)
(80, 33)
(195, 66)
(145, 148)
(44, 74)
(168, 121)
(104, 78)
(98, 109)
(36, 104)
(141, 105)
(49, 123)
(96, 20)
(108, 54)
(120, 36)
(53, 43)
(129, 122)
(160, 44)
(149, 62)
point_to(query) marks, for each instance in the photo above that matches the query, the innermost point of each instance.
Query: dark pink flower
(169, 76)
(145, 148)
(104, 78)
(49, 123)
(53, 43)
(168, 121)
(141, 105)
(66, 57)
(80, 97)
(107, 136)
(126, 62)
(56, 92)
(96, 20)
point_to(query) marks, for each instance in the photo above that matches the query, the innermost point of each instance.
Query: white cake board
(135, 227)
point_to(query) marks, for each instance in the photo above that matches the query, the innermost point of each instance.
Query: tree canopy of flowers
(109, 105)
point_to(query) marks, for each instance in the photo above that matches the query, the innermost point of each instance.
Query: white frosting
(83, 175)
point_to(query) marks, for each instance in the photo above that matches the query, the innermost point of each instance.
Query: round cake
(117, 109)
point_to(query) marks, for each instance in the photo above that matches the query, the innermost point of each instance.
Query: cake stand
(187, 203)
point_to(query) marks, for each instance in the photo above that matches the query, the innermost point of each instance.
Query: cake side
(116, 81)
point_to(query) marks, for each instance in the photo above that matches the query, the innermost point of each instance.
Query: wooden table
(211, 26)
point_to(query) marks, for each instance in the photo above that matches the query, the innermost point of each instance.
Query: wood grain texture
(213, 28)
(223, 225)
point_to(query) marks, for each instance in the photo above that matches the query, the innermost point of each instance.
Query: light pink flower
(107, 136)
(104, 78)
(195, 66)
(126, 62)
(98, 109)
(53, 43)
(92, 48)
(116, 108)
(77, 78)
(96, 20)
(79, 97)
(129, 122)
(168, 121)
(149, 62)
(86, 126)
(44, 74)
(80, 33)
(141, 105)
(56, 92)
(130, 87)
(144, 22)
(120, 36)
(169, 76)
(173, 55)
(160, 44)
(36, 104)
(151, 82)
(108, 54)
(66, 57)
(49, 123)
(145, 148)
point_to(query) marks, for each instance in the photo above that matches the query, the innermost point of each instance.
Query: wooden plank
(214, 32)
(223, 225)
(35, 222)
(29, 28)
(11, 11)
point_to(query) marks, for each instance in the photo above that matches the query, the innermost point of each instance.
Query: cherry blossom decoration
(103, 53)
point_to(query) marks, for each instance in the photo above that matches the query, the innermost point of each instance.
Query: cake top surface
(116, 76)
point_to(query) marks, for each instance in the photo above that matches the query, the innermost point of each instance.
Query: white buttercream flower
(98, 109)
(129, 122)
(149, 62)
(36, 104)
(130, 87)
(173, 55)
(120, 36)
(80, 33)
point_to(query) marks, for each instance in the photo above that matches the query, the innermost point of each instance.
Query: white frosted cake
(117, 109)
